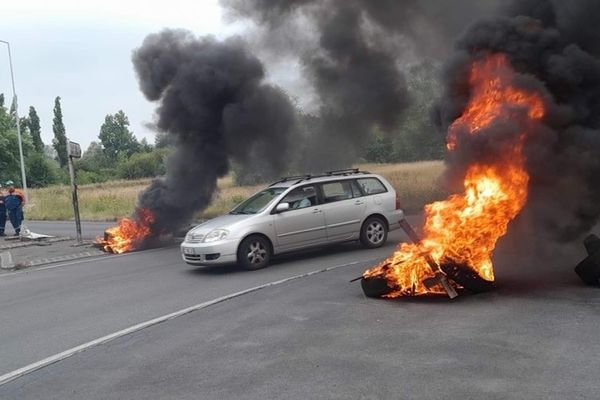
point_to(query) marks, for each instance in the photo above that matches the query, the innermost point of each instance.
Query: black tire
(373, 233)
(254, 253)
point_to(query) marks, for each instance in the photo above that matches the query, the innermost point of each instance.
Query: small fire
(129, 234)
(464, 228)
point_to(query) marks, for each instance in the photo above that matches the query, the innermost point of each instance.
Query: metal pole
(12, 77)
(75, 199)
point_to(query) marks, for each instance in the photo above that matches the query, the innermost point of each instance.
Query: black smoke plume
(215, 106)
(353, 53)
(554, 45)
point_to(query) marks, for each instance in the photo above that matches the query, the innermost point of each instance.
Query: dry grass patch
(417, 183)
(97, 202)
(112, 200)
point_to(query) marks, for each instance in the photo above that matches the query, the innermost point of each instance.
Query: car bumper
(394, 219)
(217, 253)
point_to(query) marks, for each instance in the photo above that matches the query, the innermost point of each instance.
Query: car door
(343, 209)
(303, 225)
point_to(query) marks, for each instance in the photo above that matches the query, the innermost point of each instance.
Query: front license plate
(189, 250)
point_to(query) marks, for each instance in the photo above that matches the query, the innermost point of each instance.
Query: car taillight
(398, 206)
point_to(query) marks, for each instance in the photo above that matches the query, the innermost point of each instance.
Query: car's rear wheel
(254, 253)
(374, 232)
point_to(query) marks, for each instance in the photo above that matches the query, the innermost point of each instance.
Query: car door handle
(359, 202)
(316, 211)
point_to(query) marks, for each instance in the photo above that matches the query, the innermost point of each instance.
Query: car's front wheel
(373, 233)
(254, 253)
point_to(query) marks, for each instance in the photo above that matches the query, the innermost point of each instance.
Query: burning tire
(254, 253)
(373, 233)
(467, 278)
(375, 287)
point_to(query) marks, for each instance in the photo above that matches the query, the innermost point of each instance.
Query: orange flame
(464, 228)
(129, 233)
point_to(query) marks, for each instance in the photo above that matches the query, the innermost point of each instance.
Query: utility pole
(12, 77)
(74, 151)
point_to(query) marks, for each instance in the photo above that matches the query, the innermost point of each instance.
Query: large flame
(464, 228)
(129, 234)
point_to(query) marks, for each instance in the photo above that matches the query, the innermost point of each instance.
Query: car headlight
(194, 236)
(216, 235)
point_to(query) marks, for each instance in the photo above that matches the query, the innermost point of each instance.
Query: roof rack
(290, 178)
(346, 171)
(337, 172)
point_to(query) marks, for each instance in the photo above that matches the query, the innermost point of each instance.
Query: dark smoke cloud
(431, 25)
(353, 53)
(554, 45)
(214, 105)
(359, 86)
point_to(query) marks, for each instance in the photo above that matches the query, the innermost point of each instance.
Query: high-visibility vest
(20, 194)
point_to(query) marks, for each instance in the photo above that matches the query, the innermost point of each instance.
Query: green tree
(41, 171)
(418, 138)
(5, 121)
(13, 112)
(60, 137)
(145, 147)
(23, 121)
(93, 159)
(162, 140)
(9, 146)
(380, 150)
(116, 138)
(35, 130)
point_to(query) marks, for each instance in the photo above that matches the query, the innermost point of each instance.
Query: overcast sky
(81, 51)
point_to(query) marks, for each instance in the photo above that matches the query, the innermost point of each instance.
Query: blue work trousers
(2, 220)
(16, 218)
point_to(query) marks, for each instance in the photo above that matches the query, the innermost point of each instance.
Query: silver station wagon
(297, 213)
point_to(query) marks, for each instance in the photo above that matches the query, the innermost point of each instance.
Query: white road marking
(143, 325)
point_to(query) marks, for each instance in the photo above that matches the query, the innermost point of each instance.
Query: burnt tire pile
(589, 269)
(464, 277)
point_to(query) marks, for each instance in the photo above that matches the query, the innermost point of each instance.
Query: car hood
(227, 221)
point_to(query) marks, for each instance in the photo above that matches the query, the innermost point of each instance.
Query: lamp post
(12, 77)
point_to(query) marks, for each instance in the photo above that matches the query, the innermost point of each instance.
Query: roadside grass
(417, 183)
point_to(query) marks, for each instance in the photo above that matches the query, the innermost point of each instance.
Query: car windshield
(258, 202)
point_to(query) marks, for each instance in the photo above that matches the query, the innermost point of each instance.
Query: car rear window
(371, 186)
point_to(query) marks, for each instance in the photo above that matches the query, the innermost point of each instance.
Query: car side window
(371, 186)
(302, 197)
(355, 189)
(337, 191)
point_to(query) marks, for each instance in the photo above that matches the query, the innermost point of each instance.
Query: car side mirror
(281, 207)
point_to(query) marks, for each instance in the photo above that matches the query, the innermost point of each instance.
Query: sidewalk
(18, 254)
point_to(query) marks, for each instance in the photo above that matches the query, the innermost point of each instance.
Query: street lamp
(12, 77)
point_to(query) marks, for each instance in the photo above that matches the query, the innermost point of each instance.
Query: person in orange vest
(14, 205)
(2, 212)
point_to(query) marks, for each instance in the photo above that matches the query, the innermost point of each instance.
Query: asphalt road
(318, 336)
(47, 311)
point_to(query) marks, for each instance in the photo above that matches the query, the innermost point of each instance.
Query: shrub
(143, 165)
(87, 177)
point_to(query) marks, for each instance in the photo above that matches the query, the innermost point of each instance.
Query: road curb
(6, 261)
(68, 257)
(7, 265)
(28, 242)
